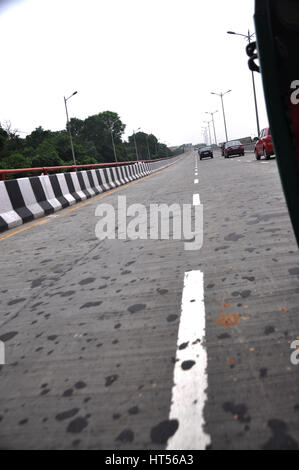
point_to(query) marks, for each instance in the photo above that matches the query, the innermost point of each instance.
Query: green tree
(15, 160)
(37, 137)
(46, 155)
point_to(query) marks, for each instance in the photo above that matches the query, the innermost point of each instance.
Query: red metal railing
(45, 170)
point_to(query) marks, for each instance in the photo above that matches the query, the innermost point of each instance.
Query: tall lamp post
(148, 149)
(113, 144)
(249, 37)
(136, 150)
(205, 134)
(208, 123)
(221, 96)
(212, 114)
(68, 125)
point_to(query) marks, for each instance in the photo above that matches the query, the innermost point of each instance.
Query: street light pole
(113, 145)
(68, 125)
(249, 37)
(209, 122)
(205, 134)
(212, 114)
(136, 150)
(148, 150)
(224, 119)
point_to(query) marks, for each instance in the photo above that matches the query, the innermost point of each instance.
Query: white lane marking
(190, 373)
(196, 200)
(196, 181)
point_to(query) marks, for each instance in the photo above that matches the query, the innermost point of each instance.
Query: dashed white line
(196, 200)
(196, 181)
(190, 373)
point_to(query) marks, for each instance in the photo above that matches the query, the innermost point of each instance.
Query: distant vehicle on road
(264, 145)
(234, 147)
(206, 152)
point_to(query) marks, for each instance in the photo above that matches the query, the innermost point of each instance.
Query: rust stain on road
(228, 319)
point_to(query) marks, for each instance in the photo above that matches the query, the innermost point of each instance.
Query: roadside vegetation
(92, 144)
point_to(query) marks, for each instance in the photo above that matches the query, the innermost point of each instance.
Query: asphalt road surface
(93, 330)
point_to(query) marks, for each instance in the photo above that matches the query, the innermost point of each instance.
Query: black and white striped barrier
(25, 199)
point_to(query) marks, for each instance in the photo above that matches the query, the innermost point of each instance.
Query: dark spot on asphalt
(8, 336)
(91, 304)
(240, 411)
(110, 380)
(162, 291)
(52, 338)
(77, 425)
(68, 393)
(245, 293)
(280, 440)
(197, 341)
(183, 346)
(125, 436)
(117, 326)
(220, 248)
(172, 318)
(294, 271)
(116, 416)
(233, 237)
(263, 373)
(68, 293)
(269, 330)
(224, 336)
(187, 365)
(88, 280)
(37, 305)
(129, 263)
(23, 422)
(235, 294)
(80, 385)
(134, 410)
(136, 308)
(103, 287)
(37, 282)
(249, 278)
(76, 443)
(16, 301)
(67, 414)
(163, 431)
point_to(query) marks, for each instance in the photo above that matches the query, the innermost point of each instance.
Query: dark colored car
(264, 145)
(234, 147)
(206, 152)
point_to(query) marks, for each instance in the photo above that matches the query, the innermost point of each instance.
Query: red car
(264, 146)
(234, 147)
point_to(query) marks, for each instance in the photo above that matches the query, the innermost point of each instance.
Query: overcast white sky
(154, 62)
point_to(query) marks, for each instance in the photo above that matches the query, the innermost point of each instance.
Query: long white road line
(190, 374)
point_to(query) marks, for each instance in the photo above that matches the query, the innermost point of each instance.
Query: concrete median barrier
(25, 199)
